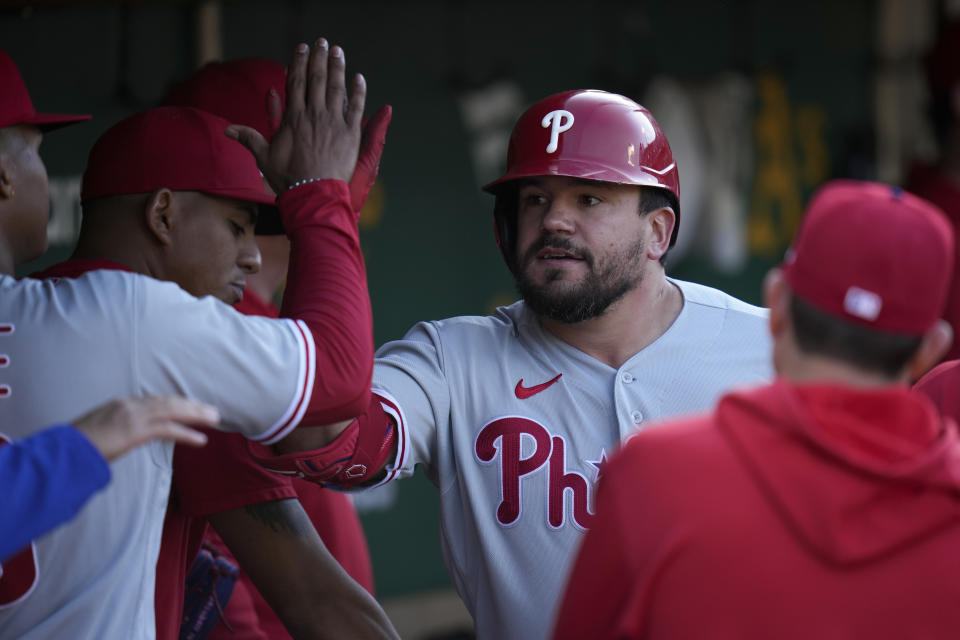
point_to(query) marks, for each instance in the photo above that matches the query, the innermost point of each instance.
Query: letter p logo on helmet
(557, 121)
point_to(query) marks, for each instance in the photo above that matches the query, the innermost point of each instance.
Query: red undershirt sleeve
(327, 291)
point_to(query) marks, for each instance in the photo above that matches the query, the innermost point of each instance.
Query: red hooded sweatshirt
(793, 512)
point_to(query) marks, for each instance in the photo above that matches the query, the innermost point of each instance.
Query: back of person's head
(236, 90)
(868, 273)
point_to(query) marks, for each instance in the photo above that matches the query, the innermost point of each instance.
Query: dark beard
(591, 298)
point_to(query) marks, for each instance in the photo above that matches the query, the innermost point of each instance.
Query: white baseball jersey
(72, 345)
(514, 426)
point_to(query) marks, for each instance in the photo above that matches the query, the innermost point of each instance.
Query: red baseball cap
(237, 90)
(874, 255)
(15, 104)
(180, 148)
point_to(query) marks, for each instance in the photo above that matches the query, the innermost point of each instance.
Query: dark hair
(867, 349)
(653, 198)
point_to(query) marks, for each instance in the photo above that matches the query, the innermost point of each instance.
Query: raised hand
(319, 135)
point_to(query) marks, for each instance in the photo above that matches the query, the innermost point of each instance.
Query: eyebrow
(251, 209)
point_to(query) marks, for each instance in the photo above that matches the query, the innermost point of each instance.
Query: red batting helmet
(587, 134)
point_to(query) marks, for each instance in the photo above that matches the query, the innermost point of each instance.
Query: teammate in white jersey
(74, 343)
(513, 416)
(51, 474)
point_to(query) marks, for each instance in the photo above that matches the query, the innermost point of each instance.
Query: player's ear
(776, 297)
(935, 343)
(6, 165)
(159, 215)
(661, 223)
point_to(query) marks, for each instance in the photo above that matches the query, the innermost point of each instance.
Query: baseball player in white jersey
(76, 454)
(513, 416)
(74, 343)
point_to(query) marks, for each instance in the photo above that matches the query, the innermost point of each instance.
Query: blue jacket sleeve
(45, 479)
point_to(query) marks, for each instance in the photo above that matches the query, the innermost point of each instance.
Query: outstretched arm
(309, 162)
(277, 545)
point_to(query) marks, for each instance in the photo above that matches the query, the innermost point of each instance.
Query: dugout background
(761, 100)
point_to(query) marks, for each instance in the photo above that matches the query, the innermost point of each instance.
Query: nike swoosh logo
(525, 392)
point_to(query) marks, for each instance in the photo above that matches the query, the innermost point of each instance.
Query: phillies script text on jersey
(549, 451)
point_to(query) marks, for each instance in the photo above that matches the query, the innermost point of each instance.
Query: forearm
(365, 620)
(327, 289)
(276, 544)
(46, 479)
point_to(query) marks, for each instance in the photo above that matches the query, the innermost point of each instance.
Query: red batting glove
(368, 163)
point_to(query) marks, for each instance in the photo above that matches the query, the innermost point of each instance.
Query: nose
(249, 259)
(558, 218)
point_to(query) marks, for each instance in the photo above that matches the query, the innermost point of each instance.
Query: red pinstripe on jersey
(301, 400)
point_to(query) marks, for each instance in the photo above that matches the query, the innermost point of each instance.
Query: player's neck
(96, 246)
(800, 367)
(628, 325)
(820, 370)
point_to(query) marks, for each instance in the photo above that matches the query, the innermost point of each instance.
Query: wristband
(300, 183)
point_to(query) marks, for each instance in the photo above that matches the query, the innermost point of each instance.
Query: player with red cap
(825, 505)
(513, 415)
(183, 197)
(49, 475)
(23, 229)
(225, 486)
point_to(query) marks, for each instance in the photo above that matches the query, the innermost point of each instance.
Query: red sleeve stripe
(392, 409)
(306, 374)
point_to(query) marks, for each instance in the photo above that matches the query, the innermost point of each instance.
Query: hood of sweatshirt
(854, 473)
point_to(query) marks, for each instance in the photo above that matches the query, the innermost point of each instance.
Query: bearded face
(580, 246)
(604, 281)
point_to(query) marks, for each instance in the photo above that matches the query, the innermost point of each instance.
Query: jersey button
(637, 417)
(626, 377)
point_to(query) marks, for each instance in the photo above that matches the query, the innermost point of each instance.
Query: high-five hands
(319, 135)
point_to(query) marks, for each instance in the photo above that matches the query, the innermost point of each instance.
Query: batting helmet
(587, 134)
